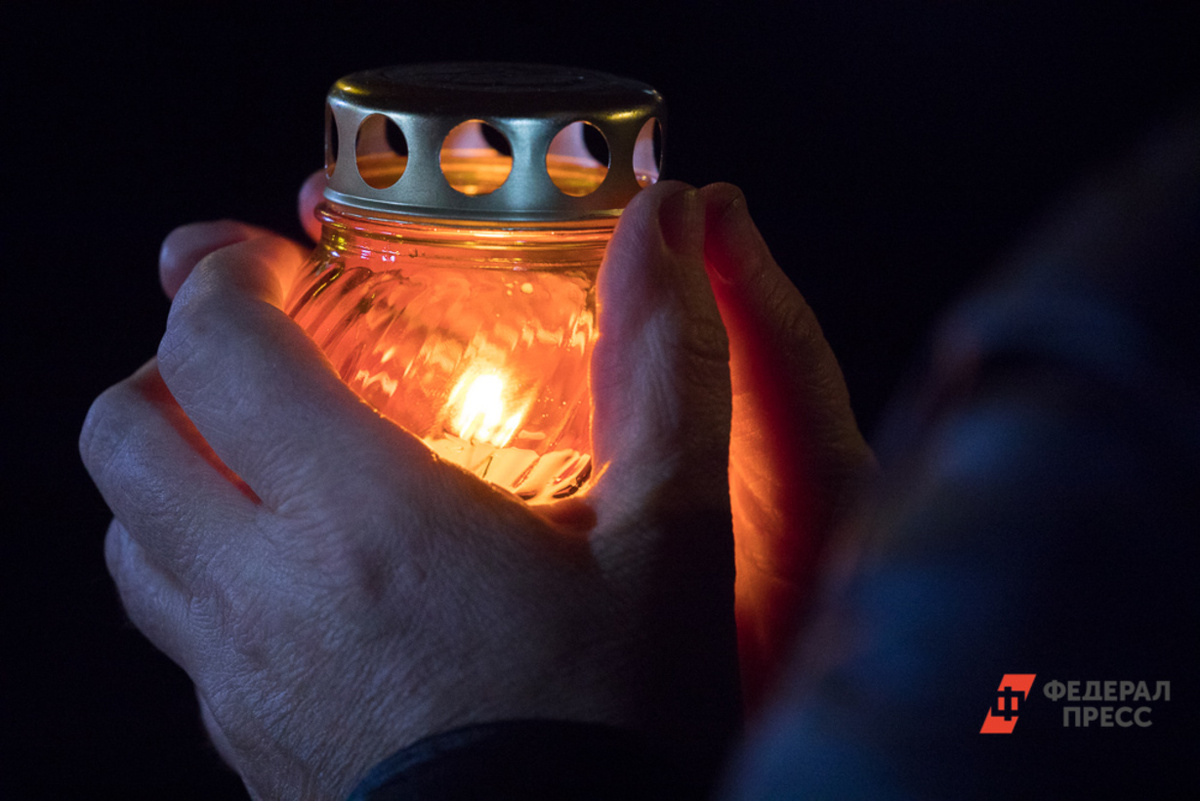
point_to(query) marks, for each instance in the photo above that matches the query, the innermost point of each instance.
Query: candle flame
(481, 418)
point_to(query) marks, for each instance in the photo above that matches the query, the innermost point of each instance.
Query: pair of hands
(337, 593)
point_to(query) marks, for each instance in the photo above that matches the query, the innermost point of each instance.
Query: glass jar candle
(466, 213)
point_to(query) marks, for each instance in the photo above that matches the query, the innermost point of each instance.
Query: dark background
(890, 151)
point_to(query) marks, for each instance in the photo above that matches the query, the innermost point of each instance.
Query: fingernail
(681, 220)
(727, 223)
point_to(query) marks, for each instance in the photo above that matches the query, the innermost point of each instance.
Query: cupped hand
(796, 455)
(797, 459)
(336, 592)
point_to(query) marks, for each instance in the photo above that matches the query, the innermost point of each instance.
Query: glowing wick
(482, 409)
(482, 416)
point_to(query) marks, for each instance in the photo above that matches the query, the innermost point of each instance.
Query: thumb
(661, 389)
(796, 455)
(660, 372)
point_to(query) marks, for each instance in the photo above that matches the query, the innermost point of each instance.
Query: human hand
(336, 593)
(796, 455)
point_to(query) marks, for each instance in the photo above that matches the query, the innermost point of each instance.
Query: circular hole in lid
(331, 142)
(578, 159)
(380, 151)
(647, 153)
(476, 158)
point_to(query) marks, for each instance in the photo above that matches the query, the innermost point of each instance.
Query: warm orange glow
(470, 164)
(477, 341)
(481, 416)
(482, 409)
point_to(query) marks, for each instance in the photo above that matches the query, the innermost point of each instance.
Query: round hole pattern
(331, 142)
(476, 158)
(647, 153)
(578, 159)
(380, 151)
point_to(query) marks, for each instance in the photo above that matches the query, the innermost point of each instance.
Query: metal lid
(432, 140)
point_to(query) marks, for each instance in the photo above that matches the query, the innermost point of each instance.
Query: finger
(660, 372)
(184, 247)
(262, 394)
(154, 602)
(795, 448)
(783, 370)
(661, 388)
(158, 475)
(312, 192)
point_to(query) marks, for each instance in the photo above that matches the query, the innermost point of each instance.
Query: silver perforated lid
(488, 141)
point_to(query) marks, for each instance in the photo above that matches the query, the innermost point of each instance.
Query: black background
(890, 151)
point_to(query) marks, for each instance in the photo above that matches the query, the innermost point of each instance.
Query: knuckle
(93, 433)
(706, 343)
(115, 552)
(107, 431)
(785, 309)
(190, 321)
(194, 349)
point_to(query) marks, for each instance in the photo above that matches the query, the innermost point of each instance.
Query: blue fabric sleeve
(529, 759)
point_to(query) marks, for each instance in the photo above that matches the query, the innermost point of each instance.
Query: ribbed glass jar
(475, 337)
(467, 209)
